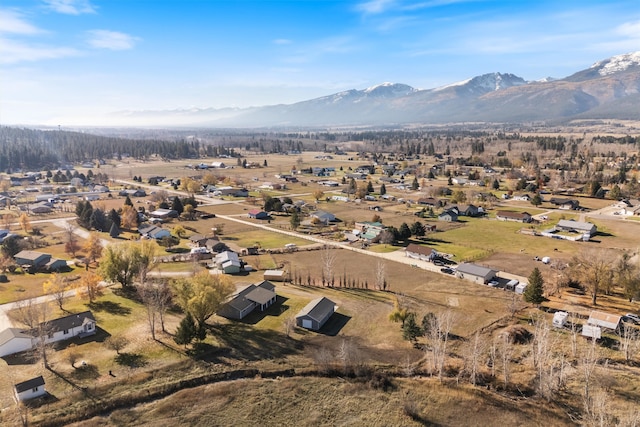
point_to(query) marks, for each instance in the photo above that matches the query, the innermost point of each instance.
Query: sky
(72, 62)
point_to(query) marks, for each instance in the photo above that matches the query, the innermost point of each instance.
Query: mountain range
(609, 89)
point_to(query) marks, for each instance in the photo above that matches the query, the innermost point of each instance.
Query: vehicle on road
(447, 270)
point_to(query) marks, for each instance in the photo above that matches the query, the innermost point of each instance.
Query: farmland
(361, 354)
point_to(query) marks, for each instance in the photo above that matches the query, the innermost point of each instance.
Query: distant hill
(609, 89)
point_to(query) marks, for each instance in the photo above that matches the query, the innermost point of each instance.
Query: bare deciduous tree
(594, 269)
(381, 275)
(328, 260)
(437, 335)
(473, 355)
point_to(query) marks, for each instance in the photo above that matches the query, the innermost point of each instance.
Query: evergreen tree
(417, 229)
(410, 329)
(404, 231)
(383, 190)
(496, 184)
(533, 293)
(114, 231)
(370, 187)
(536, 200)
(177, 206)
(98, 220)
(186, 331)
(114, 217)
(414, 184)
(294, 220)
(128, 201)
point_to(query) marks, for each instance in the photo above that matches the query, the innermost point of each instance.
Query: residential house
(323, 217)
(40, 208)
(513, 216)
(315, 314)
(259, 296)
(470, 210)
(369, 230)
(522, 198)
(419, 252)
(475, 273)
(569, 204)
(13, 340)
(571, 226)
(30, 389)
(604, 320)
(164, 214)
(258, 214)
(429, 201)
(228, 262)
(218, 165)
(139, 192)
(39, 261)
(151, 231)
(449, 215)
(74, 325)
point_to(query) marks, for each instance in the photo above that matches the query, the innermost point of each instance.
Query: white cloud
(112, 40)
(14, 52)
(629, 29)
(11, 22)
(71, 7)
(375, 6)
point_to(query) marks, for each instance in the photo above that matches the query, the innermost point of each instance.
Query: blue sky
(71, 62)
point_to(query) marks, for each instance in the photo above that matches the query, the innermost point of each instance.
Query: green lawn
(479, 237)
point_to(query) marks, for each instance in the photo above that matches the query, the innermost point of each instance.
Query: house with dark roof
(74, 325)
(449, 215)
(39, 261)
(323, 217)
(257, 296)
(30, 389)
(422, 253)
(475, 273)
(258, 214)
(315, 314)
(513, 216)
(570, 204)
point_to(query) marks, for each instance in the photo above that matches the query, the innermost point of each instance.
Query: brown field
(260, 342)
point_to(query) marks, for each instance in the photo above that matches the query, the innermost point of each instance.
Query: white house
(74, 325)
(14, 340)
(30, 389)
(475, 273)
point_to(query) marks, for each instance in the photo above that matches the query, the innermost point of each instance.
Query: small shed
(560, 319)
(591, 331)
(275, 275)
(30, 389)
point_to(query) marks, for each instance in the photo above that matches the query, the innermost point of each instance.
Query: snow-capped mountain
(617, 63)
(608, 89)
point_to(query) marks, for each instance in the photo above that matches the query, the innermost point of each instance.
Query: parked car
(631, 318)
(447, 270)
(438, 262)
(493, 283)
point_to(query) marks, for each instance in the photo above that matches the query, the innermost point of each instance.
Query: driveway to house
(63, 223)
